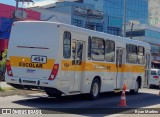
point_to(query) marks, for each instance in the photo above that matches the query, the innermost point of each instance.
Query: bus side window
(110, 51)
(98, 49)
(79, 53)
(89, 48)
(127, 53)
(141, 57)
(67, 45)
(131, 56)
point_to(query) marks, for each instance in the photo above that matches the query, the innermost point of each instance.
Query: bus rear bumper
(31, 83)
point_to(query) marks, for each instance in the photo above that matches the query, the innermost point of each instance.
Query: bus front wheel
(95, 89)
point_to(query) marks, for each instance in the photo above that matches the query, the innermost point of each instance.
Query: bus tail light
(54, 72)
(9, 70)
(155, 77)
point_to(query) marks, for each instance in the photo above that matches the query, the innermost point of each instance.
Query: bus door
(77, 58)
(119, 65)
(147, 69)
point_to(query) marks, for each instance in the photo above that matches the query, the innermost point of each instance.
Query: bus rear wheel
(136, 89)
(95, 89)
(51, 94)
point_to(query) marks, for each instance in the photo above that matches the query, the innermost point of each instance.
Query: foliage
(3, 64)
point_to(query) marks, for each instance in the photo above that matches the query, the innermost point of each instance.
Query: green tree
(3, 64)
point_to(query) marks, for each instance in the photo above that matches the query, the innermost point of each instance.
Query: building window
(156, 20)
(135, 33)
(131, 56)
(98, 51)
(155, 50)
(99, 28)
(90, 25)
(152, 34)
(110, 51)
(67, 45)
(141, 52)
(114, 31)
(78, 23)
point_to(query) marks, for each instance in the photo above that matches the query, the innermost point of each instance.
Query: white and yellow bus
(68, 60)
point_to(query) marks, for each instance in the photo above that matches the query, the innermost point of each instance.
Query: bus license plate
(39, 59)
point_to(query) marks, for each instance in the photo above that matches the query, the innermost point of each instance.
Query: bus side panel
(132, 74)
(64, 75)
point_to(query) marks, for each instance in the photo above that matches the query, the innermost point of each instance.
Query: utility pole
(17, 1)
(124, 19)
(132, 22)
(18, 13)
(14, 13)
(131, 30)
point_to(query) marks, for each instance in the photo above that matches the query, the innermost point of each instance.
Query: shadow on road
(78, 104)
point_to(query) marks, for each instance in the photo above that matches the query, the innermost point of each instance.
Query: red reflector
(54, 72)
(9, 70)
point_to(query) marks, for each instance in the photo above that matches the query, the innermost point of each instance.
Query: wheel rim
(95, 89)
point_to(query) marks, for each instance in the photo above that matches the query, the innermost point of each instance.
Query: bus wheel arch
(138, 83)
(95, 88)
(139, 79)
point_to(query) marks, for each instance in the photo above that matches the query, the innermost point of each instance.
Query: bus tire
(136, 89)
(95, 89)
(150, 86)
(56, 95)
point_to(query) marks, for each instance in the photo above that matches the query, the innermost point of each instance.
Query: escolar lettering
(33, 65)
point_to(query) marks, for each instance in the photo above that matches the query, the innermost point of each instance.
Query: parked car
(154, 80)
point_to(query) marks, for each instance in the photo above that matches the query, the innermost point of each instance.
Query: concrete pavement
(4, 85)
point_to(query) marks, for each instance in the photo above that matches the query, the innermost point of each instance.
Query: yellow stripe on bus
(26, 62)
(68, 65)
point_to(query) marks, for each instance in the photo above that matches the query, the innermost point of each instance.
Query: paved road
(146, 97)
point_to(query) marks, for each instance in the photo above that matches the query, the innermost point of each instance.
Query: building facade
(77, 14)
(153, 12)
(53, 16)
(114, 9)
(6, 20)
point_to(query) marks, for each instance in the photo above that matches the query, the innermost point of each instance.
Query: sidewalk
(153, 106)
(4, 85)
(7, 90)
